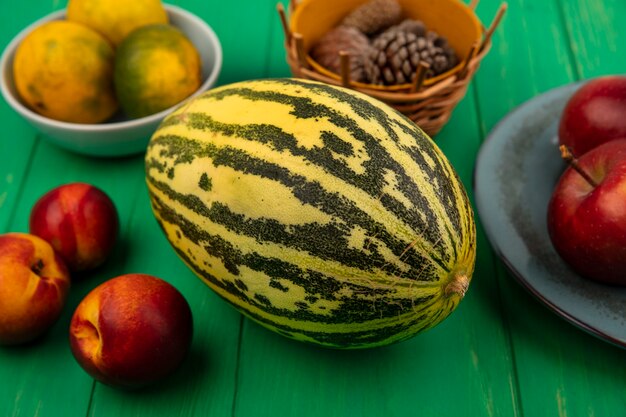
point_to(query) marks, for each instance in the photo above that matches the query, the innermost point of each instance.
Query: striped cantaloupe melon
(317, 211)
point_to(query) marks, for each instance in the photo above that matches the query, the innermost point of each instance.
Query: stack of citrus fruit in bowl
(98, 77)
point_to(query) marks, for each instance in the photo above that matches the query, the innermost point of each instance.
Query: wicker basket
(427, 101)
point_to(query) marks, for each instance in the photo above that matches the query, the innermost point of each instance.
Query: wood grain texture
(560, 369)
(501, 353)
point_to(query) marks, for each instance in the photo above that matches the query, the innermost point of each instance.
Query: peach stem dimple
(89, 336)
(37, 267)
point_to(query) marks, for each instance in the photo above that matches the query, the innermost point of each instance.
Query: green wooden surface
(501, 353)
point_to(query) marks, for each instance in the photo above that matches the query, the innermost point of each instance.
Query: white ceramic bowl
(119, 136)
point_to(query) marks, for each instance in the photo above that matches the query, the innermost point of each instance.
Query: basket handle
(470, 57)
(300, 52)
(290, 37)
(283, 21)
(493, 26)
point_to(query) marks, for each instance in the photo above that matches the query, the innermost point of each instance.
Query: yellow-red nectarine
(131, 330)
(34, 283)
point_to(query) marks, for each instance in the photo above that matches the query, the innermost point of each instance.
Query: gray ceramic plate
(516, 170)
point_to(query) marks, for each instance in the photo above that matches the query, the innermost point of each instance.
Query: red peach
(34, 283)
(131, 331)
(80, 221)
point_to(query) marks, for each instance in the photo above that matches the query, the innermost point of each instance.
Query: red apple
(81, 223)
(34, 283)
(131, 331)
(596, 113)
(587, 214)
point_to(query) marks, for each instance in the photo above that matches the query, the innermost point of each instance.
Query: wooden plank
(14, 164)
(561, 370)
(244, 31)
(469, 350)
(500, 354)
(23, 391)
(276, 63)
(596, 36)
(19, 137)
(475, 364)
(123, 181)
(206, 383)
(35, 369)
(529, 56)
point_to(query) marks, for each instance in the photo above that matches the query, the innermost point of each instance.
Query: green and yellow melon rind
(317, 211)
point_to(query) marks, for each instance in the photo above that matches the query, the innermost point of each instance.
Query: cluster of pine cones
(384, 49)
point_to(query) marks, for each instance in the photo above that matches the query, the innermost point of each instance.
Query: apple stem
(37, 267)
(567, 155)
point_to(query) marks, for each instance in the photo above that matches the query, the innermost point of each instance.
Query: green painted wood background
(500, 354)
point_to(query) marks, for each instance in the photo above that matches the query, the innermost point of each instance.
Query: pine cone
(413, 26)
(343, 38)
(374, 16)
(396, 53)
(443, 57)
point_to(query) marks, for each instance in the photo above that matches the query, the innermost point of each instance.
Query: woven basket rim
(428, 105)
(393, 94)
(300, 60)
(469, 17)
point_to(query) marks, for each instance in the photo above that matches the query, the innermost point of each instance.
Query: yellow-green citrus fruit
(115, 19)
(156, 67)
(64, 70)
